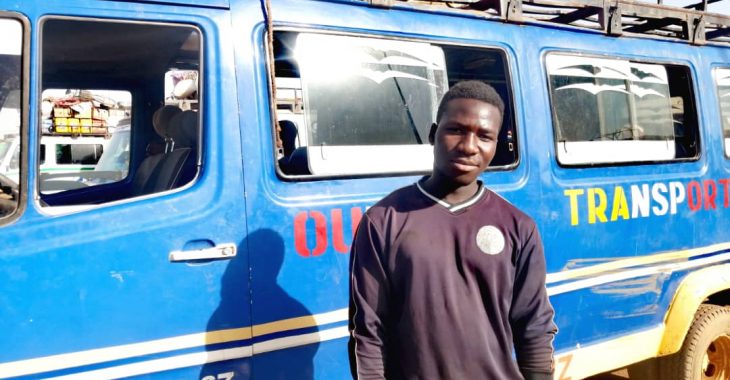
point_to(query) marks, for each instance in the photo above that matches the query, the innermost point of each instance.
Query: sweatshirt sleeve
(368, 303)
(531, 315)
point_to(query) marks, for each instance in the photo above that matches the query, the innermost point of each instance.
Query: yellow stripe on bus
(106, 354)
(634, 261)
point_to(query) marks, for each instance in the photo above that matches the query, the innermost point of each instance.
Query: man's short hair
(471, 89)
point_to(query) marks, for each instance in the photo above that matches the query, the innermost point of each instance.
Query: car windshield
(115, 160)
(4, 147)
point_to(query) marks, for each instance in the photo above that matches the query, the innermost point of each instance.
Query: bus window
(10, 117)
(609, 111)
(351, 105)
(722, 81)
(102, 107)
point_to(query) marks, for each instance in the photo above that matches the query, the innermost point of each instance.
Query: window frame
(725, 140)
(24, 131)
(510, 103)
(641, 60)
(64, 210)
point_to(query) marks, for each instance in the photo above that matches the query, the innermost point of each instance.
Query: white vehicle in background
(9, 135)
(63, 160)
(94, 160)
(114, 163)
(9, 154)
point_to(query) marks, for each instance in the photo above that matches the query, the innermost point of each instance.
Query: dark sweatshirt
(443, 291)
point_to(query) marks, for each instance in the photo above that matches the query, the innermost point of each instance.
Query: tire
(705, 353)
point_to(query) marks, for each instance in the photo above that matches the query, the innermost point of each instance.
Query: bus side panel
(617, 275)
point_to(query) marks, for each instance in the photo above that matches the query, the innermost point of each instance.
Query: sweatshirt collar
(455, 207)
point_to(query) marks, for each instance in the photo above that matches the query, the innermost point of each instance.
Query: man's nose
(468, 143)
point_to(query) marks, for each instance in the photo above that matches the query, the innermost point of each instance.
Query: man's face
(465, 140)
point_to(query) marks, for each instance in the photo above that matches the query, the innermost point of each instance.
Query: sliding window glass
(613, 111)
(722, 81)
(364, 105)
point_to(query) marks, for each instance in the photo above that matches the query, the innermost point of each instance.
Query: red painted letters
(300, 233)
(340, 243)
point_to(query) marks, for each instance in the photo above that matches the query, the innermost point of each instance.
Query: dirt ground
(621, 374)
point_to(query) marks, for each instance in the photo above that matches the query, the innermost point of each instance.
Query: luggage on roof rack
(77, 115)
(613, 17)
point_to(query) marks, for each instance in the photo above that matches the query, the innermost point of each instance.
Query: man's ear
(432, 133)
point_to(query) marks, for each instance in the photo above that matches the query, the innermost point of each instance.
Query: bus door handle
(219, 252)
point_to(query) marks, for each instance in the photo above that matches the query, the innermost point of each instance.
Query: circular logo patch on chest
(490, 240)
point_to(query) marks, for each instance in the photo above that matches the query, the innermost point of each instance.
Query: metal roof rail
(692, 24)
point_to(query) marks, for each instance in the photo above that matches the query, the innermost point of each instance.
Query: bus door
(138, 267)
(352, 115)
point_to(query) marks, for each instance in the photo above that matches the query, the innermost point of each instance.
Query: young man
(448, 277)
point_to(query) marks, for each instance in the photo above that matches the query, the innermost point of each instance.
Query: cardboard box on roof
(83, 110)
(62, 112)
(117, 113)
(100, 114)
(60, 122)
(99, 130)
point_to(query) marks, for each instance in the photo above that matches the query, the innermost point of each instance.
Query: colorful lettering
(338, 230)
(676, 196)
(300, 233)
(573, 195)
(620, 205)
(314, 223)
(596, 209)
(710, 192)
(694, 195)
(657, 193)
(564, 362)
(640, 201)
(726, 196)
(646, 199)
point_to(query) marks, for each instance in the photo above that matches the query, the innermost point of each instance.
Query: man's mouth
(463, 165)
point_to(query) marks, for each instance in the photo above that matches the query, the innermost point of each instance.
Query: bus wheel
(705, 353)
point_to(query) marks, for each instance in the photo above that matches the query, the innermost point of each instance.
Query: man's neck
(449, 191)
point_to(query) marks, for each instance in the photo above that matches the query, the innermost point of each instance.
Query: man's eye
(485, 137)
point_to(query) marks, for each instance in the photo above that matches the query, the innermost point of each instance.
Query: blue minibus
(250, 136)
